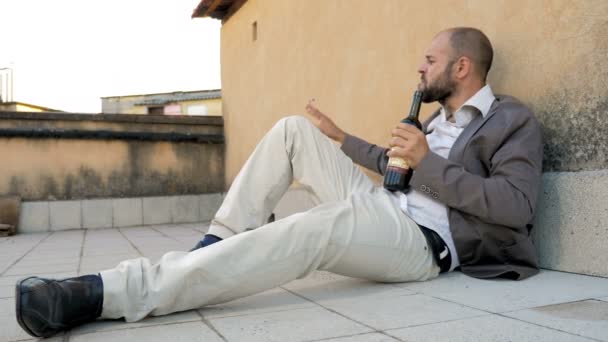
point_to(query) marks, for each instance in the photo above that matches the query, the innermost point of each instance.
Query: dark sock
(207, 240)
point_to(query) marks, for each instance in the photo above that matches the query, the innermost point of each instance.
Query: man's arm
(368, 155)
(360, 151)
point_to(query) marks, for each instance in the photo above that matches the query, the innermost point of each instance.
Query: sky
(67, 54)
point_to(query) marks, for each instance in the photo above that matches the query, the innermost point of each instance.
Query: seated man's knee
(292, 123)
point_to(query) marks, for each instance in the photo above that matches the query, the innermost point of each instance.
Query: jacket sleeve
(365, 154)
(508, 195)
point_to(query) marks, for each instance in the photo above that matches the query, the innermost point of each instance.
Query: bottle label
(398, 162)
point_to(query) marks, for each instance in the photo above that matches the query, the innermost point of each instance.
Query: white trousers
(358, 230)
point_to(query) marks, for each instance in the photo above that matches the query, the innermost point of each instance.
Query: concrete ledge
(572, 222)
(47, 216)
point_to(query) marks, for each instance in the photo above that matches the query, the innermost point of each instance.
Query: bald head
(474, 44)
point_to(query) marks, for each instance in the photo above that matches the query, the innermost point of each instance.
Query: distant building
(24, 107)
(200, 102)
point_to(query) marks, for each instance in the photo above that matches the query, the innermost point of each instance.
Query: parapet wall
(46, 157)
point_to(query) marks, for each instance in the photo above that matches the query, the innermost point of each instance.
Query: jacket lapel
(457, 151)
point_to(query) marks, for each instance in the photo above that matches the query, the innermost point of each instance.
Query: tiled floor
(551, 306)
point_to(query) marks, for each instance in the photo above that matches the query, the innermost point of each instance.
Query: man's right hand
(324, 123)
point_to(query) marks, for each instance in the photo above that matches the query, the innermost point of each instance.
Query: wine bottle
(398, 173)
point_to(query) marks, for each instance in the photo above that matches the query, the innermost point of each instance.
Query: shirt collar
(478, 103)
(482, 100)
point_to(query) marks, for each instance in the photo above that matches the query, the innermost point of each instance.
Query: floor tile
(587, 318)
(327, 286)
(489, 328)
(498, 295)
(400, 311)
(10, 330)
(41, 268)
(293, 325)
(182, 332)
(373, 337)
(108, 325)
(7, 291)
(271, 300)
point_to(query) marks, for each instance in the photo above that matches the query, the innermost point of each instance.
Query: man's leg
(365, 236)
(294, 149)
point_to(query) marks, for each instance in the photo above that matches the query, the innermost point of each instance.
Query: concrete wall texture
(359, 59)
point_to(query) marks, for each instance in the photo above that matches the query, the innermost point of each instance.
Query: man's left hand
(408, 143)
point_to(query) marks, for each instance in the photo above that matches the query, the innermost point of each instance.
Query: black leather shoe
(45, 307)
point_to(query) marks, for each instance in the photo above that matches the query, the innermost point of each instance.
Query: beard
(439, 90)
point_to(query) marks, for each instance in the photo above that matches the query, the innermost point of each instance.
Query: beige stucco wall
(148, 159)
(359, 58)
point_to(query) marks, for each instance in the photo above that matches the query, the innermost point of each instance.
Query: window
(156, 110)
(199, 109)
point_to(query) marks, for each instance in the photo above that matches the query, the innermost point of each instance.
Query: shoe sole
(18, 307)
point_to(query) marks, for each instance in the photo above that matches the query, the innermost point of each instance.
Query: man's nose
(422, 68)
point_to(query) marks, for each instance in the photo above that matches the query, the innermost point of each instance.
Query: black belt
(440, 250)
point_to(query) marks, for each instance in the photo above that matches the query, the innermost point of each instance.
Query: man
(477, 174)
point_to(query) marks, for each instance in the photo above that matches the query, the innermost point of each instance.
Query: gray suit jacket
(490, 183)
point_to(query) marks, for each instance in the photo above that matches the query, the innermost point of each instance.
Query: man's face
(436, 71)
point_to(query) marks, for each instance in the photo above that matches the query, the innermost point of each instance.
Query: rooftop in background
(217, 9)
(198, 102)
(24, 107)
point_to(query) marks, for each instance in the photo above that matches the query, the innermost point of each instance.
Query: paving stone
(9, 329)
(48, 261)
(186, 332)
(209, 204)
(373, 337)
(498, 295)
(185, 209)
(268, 301)
(7, 291)
(42, 268)
(587, 318)
(119, 324)
(177, 231)
(134, 232)
(292, 325)
(490, 328)
(157, 210)
(65, 215)
(34, 217)
(391, 312)
(97, 214)
(127, 212)
(326, 286)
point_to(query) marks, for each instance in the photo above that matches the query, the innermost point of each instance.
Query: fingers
(312, 110)
(397, 141)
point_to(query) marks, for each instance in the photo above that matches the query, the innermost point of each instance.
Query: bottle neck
(415, 109)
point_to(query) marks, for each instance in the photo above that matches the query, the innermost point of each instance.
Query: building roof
(217, 9)
(159, 99)
(16, 103)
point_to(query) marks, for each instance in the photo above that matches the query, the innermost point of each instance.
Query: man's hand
(324, 123)
(408, 143)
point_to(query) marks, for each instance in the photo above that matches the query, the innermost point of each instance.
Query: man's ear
(463, 67)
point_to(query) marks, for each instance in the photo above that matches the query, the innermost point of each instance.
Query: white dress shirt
(422, 208)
